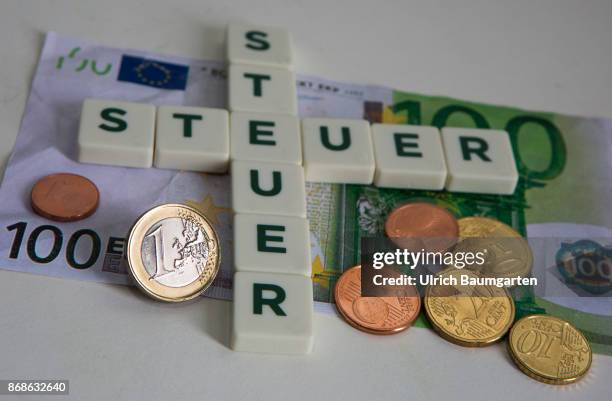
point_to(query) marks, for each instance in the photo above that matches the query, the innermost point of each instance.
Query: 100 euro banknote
(564, 186)
(563, 162)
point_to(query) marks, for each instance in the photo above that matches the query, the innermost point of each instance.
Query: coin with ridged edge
(508, 254)
(374, 315)
(549, 349)
(173, 253)
(468, 315)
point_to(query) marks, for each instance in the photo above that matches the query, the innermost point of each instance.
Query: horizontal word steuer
(331, 150)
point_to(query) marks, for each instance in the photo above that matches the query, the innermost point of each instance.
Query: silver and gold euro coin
(173, 253)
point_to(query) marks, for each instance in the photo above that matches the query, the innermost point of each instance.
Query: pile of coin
(544, 347)
(173, 255)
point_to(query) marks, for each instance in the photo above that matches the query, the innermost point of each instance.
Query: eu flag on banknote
(155, 73)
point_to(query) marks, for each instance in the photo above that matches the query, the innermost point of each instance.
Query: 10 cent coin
(549, 349)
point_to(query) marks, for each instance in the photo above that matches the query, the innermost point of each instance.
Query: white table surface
(114, 344)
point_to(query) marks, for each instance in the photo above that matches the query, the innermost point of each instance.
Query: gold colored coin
(549, 349)
(466, 314)
(477, 226)
(507, 253)
(173, 253)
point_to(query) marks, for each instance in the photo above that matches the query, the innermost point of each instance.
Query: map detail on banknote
(564, 190)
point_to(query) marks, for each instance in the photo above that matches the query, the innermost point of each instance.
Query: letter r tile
(479, 160)
(272, 313)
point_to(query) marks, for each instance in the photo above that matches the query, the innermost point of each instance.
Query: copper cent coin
(65, 197)
(422, 225)
(376, 315)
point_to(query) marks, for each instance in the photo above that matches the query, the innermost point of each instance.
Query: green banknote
(564, 190)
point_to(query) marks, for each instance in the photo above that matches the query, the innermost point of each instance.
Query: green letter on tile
(274, 303)
(277, 184)
(402, 143)
(263, 238)
(187, 120)
(257, 40)
(474, 145)
(107, 114)
(257, 82)
(346, 139)
(255, 133)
